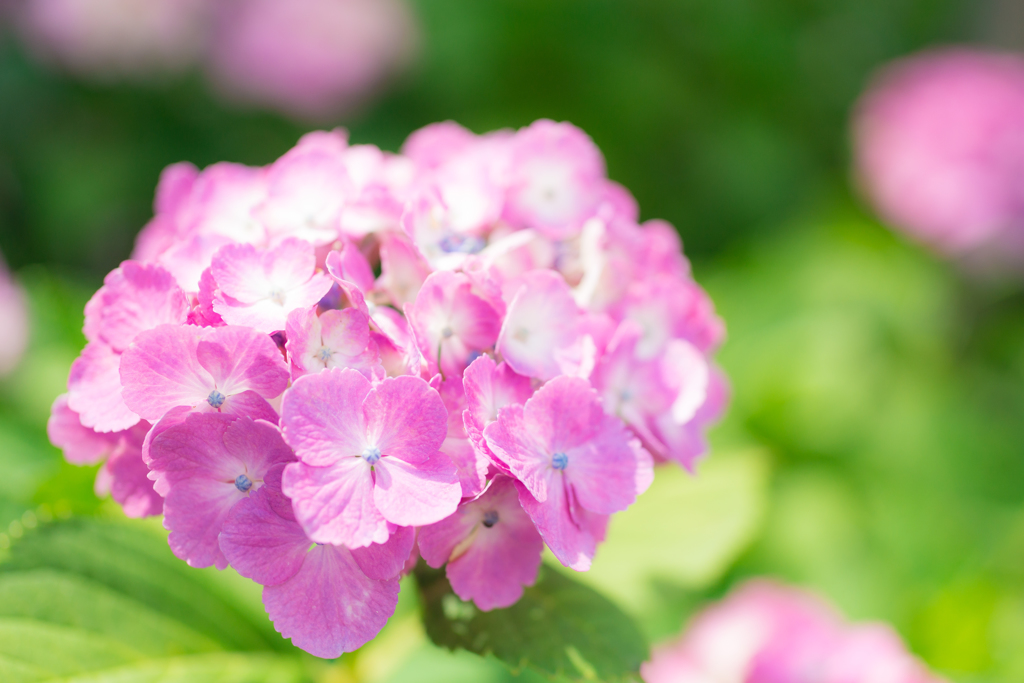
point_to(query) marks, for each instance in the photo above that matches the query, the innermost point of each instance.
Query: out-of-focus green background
(874, 449)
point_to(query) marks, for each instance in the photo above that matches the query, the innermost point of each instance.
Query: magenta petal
(330, 607)
(160, 371)
(405, 418)
(136, 297)
(413, 495)
(384, 561)
(81, 445)
(322, 416)
(336, 504)
(261, 544)
(94, 390)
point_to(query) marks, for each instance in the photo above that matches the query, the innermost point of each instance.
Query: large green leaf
(103, 601)
(134, 561)
(559, 627)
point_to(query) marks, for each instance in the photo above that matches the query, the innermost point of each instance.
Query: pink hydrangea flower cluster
(312, 59)
(939, 146)
(764, 632)
(323, 369)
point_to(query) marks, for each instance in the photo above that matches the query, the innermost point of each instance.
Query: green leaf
(134, 561)
(559, 627)
(105, 602)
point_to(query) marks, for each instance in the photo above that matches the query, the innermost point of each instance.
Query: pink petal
(95, 392)
(491, 546)
(261, 544)
(246, 404)
(81, 445)
(416, 494)
(240, 358)
(322, 416)
(130, 485)
(335, 339)
(570, 532)
(336, 504)
(489, 388)
(384, 561)
(405, 419)
(201, 462)
(160, 371)
(330, 607)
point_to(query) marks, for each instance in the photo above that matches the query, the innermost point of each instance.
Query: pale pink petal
(557, 178)
(246, 404)
(81, 445)
(406, 419)
(259, 288)
(451, 323)
(402, 269)
(95, 392)
(330, 607)
(322, 416)
(413, 495)
(134, 298)
(336, 504)
(384, 561)
(334, 339)
(541, 323)
(222, 203)
(307, 188)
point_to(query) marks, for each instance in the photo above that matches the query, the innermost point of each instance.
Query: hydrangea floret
(323, 370)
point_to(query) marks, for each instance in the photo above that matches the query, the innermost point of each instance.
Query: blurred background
(874, 448)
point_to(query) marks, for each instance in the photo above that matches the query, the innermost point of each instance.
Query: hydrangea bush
(323, 370)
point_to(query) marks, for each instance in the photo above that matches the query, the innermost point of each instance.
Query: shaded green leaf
(559, 627)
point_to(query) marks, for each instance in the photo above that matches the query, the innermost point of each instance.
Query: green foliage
(107, 601)
(560, 627)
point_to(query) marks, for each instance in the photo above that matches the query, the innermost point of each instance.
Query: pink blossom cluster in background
(939, 146)
(312, 59)
(322, 369)
(13, 319)
(764, 632)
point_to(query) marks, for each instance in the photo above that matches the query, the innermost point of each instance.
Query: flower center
(243, 483)
(277, 296)
(461, 244)
(490, 518)
(216, 399)
(447, 332)
(371, 455)
(559, 460)
(324, 354)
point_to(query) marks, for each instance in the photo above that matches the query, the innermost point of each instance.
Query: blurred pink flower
(115, 39)
(764, 632)
(14, 318)
(939, 146)
(309, 58)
